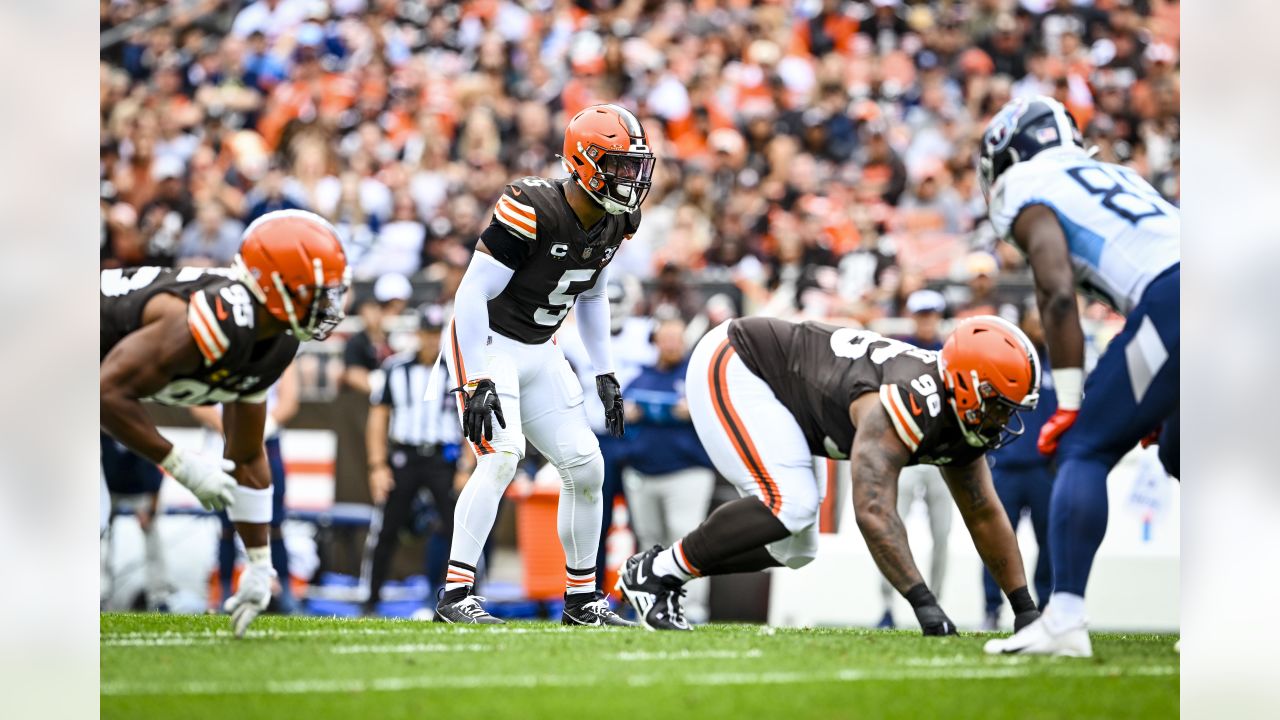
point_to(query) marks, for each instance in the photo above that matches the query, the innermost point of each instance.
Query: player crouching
(201, 337)
(767, 395)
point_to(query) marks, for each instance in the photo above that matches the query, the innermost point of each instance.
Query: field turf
(166, 666)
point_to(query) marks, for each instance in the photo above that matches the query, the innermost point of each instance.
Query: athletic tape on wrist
(1068, 385)
(252, 505)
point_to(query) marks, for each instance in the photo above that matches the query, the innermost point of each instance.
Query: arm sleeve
(484, 280)
(593, 324)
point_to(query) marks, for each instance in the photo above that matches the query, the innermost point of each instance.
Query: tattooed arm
(983, 514)
(876, 459)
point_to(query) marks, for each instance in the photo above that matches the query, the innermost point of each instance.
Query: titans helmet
(1021, 130)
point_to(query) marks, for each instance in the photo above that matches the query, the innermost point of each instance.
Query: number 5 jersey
(536, 233)
(817, 370)
(234, 364)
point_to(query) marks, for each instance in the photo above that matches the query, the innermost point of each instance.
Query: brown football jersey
(817, 370)
(536, 233)
(235, 366)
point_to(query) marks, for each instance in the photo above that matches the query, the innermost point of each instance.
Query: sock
(733, 529)
(1066, 611)
(280, 561)
(226, 562)
(753, 560)
(1077, 521)
(581, 511)
(580, 581)
(668, 562)
(477, 507)
(260, 556)
(460, 576)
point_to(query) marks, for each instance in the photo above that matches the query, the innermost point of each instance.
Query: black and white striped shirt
(415, 421)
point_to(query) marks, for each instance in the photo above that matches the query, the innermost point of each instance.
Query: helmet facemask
(622, 179)
(326, 306)
(996, 421)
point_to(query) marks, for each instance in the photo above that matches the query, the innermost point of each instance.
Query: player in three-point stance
(1100, 228)
(767, 395)
(545, 251)
(200, 337)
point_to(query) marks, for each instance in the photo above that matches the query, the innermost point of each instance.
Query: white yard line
(641, 656)
(411, 648)
(350, 685)
(190, 638)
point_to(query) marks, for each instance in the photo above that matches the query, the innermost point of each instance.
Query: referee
(412, 443)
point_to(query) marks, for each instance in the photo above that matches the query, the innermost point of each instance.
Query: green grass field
(163, 666)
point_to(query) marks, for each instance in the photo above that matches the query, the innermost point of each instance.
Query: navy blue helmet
(1022, 129)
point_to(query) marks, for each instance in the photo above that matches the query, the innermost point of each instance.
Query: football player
(766, 395)
(544, 252)
(1100, 228)
(195, 336)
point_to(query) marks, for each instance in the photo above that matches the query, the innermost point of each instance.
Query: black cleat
(591, 609)
(463, 608)
(655, 599)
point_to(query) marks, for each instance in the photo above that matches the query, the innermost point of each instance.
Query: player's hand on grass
(481, 409)
(1053, 429)
(209, 478)
(611, 396)
(933, 621)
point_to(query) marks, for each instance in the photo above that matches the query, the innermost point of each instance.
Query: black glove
(476, 422)
(933, 621)
(611, 395)
(1024, 608)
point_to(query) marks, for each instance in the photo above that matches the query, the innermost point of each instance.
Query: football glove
(611, 396)
(1053, 428)
(209, 478)
(933, 621)
(482, 406)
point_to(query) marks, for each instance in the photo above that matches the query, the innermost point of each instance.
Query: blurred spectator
(926, 308)
(368, 349)
(1024, 478)
(669, 478)
(212, 240)
(980, 274)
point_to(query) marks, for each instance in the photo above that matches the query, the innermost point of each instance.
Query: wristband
(172, 462)
(920, 596)
(1020, 600)
(1068, 383)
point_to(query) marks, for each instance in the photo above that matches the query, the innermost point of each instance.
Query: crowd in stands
(818, 154)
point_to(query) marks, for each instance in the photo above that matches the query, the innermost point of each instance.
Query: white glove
(207, 477)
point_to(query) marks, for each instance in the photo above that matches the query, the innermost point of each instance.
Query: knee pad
(798, 550)
(497, 468)
(252, 505)
(586, 477)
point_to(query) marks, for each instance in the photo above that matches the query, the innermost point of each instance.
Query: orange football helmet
(607, 152)
(992, 372)
(293, 263)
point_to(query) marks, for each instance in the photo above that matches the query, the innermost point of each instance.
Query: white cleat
(1037, 639)
(251, 597)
